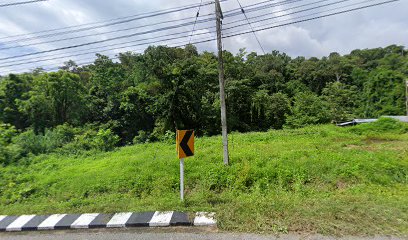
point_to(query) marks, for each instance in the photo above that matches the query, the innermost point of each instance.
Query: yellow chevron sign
(185, 143)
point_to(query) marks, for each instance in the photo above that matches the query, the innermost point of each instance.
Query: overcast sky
(368, 28)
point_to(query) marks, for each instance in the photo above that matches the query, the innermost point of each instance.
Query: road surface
(164, 234)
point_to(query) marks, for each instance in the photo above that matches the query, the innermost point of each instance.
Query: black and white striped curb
(96, 220)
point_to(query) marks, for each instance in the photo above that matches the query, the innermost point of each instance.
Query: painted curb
(98, 220)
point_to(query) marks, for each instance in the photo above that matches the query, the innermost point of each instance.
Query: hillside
(321, 179)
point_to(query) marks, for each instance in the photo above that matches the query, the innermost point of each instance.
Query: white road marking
(84, 220)
(50, 222)
(19, 223)
(205, 219)
(119, 220)
(161, 219)
(2, 217)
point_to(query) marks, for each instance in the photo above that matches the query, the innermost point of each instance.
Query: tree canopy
(145, 96)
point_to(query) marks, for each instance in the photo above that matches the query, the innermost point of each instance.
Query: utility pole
(219, 17)
(406, 94)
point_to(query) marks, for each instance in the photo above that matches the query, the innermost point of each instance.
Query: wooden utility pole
(219, 17)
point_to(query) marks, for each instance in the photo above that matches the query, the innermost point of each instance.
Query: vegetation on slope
(144, 96)
(321, 179)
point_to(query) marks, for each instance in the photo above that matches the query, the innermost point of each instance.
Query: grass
(320, 179)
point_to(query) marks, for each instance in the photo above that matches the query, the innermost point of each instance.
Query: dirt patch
(373, 144)
(361, 147)
(341, 185)
(374, 140)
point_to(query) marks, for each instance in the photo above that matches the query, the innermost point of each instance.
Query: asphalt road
(167, 234)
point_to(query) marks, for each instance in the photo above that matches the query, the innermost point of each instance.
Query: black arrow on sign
(184, 145)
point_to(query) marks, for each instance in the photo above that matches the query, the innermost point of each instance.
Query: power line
(99, 47)
(34, 60)
(195, 22)
(120, 18)
(250, 25)
(251, 5)
(314, 18)
(176, 45)
(123, 20)
(152, 31)
(190, 6)
(100, 26)
(284, 10)
(289, 14)
(116, 44)
(108, 32)
(312, 14)
(20, 3)
(102, 41)
(259, 8)
(304, 16)
(104, 25)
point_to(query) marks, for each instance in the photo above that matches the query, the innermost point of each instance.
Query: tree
(269, 111)
(384, 93)
(105, 86)
(70, 66)
(308, 109)
(239, 96)
(55, 99)
(12, 90)
(342, 100)
(136, 116)
(279, 108)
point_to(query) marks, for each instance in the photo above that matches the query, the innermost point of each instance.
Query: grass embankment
(321, 179)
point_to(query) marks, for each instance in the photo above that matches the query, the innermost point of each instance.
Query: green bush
(29, 142)
(82, 142)
(142, 137)
(308, 109)
(168, 137)
(90, 139)
(59, 136)
(383, 124)
(7, 132)
(105, 140)
(63, 139)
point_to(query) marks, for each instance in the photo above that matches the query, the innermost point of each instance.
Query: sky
(378, 26)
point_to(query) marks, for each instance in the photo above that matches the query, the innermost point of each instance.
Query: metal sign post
(185, 148)
(182, 179)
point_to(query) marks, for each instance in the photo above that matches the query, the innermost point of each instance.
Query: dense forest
(145, 97)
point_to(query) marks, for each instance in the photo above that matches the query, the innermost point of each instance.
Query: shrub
(82, 142)
(7, 132)
(142, 137)
(29, 142)
(63, 139)
(308, 109)
(90, 139)
(168, 137)
(105, 140)
(382, 125)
